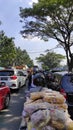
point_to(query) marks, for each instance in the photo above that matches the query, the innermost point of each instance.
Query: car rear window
(67, 79)
(6, 73)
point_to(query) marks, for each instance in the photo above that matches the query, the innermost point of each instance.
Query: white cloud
(33, 39)
(31, 2)
(35, 1)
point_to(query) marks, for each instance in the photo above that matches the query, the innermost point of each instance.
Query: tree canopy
(22, 58)
(50, 19)
(7, 50)
(11, 55)
(50, 60)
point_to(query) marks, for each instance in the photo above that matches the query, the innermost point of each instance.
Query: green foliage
(50, 19)
(10, 55)
(7, 50)
(50, 60)
(22, 58)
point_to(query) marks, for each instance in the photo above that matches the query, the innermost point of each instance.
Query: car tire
(7, 101)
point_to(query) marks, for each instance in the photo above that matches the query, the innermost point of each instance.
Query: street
(10, 118)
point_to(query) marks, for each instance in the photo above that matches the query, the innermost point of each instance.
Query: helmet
(39, 79)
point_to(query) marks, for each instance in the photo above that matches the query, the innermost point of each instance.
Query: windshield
(6, 73)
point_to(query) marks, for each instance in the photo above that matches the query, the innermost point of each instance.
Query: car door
(3, 92)
(21, 78)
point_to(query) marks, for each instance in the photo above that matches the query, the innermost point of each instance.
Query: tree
(51, 19)
(50, 60)
(22, 58)
(10, 55)
(7, 50)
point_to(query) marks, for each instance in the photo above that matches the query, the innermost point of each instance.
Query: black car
(65, 83)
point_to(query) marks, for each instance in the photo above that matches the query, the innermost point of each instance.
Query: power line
(35, 51)
(31, 52)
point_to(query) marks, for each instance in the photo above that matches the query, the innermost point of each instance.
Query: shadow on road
(10, 118)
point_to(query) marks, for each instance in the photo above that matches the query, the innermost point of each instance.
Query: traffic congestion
(54, 98)
(42, 90)
(36, 65)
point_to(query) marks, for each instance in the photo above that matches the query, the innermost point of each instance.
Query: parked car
(65, 83)
(4, 96)
(25, 74)
(14, 78)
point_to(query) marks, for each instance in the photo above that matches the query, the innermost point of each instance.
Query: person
(29, 78)
(38, 82)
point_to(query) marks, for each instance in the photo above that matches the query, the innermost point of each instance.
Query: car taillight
(62, 91)
(13, 77)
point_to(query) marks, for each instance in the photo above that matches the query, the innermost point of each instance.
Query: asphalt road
(10, 118)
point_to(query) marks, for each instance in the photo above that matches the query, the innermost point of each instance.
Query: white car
(25, 73)
(14, 78)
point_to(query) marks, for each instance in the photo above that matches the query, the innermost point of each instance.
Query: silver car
(13, 78)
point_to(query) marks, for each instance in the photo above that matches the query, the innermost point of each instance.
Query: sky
(9, 16)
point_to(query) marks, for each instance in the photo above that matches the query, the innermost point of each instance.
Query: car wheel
(7, 101)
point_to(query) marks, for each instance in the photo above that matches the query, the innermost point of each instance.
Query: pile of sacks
(46, 110)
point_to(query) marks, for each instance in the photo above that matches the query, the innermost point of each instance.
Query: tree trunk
(71, 60)
(68, 62)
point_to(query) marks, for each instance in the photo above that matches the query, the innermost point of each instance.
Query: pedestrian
(29, 78)
(38, 82)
